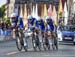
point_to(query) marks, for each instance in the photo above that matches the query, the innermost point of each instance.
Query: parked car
(66, 34)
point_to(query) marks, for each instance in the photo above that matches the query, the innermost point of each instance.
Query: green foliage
(2, 11)
(6, 20)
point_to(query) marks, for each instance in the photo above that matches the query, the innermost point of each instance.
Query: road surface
(8, 49)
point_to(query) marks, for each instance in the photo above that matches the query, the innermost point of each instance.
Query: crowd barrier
(5, 34)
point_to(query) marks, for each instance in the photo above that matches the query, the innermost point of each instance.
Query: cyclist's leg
(48, 40)
(25, 40)
(37, 37)
(14, 33)
(22, 36)
(53, 40)
(42, 39)
(33, 39)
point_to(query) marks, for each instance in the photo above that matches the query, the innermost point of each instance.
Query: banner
(50, 10)
(60, 9)
(25, 11)
(21, 13)
(65, 14)
(54, 16)
(45, 11)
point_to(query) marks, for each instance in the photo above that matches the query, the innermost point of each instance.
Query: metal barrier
(5, 34)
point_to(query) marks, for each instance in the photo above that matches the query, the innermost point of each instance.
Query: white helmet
(48, 17)
(29, 17)
(13, 15)
(38, 18)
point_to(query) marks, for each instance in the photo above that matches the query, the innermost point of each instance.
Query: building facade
(9, 7)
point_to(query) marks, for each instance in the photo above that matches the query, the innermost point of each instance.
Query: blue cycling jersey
(49, 27)
(40, 25)
(20, 21)
(31, 24)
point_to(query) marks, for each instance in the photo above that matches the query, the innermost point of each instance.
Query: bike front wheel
(18, 43)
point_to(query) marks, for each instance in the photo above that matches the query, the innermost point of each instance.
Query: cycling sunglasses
(13, 17)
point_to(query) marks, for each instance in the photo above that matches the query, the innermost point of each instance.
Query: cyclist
(55, 37)
(31, 22)
(49, 29)
(41, 27)
(40, 24)
(17, 23)
(31, 26)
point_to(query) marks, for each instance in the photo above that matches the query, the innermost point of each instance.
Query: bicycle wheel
(34, 44)
(18, 43)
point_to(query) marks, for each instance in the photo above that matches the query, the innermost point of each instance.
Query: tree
(2, 11)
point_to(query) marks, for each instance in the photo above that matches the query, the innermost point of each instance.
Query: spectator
(9, 29)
